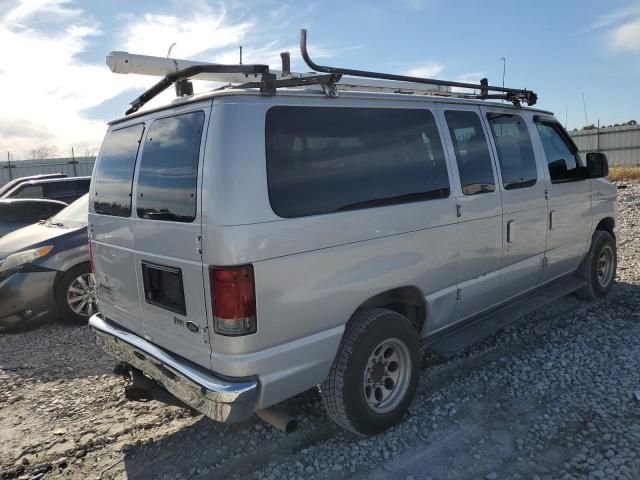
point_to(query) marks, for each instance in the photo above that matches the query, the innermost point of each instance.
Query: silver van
(262, 239)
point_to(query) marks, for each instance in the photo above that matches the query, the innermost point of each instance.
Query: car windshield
(76, 214)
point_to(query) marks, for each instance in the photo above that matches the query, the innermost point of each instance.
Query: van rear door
(167, 229)
(110, 229)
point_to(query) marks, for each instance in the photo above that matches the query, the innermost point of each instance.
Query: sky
(56, 90)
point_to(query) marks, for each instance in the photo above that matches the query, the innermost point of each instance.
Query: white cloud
(51, 88)
(204, 30)
(428, 70)
(626, 37)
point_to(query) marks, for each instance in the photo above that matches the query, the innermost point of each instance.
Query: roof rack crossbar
(512, 94)
(189, 72)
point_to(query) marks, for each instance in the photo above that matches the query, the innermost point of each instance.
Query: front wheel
(375, 373)
(599, 266)
(76, 295)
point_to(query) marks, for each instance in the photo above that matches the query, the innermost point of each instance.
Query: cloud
(205, 29)
(57, 98)
(626, 37)
(621, 27)
(428, 70)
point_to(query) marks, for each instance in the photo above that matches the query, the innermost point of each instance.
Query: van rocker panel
(220, 400)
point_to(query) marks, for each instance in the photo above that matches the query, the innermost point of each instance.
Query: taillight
(234, 300)
(93, 268)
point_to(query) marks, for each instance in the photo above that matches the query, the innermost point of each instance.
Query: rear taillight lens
(234, 300)
(93, 268)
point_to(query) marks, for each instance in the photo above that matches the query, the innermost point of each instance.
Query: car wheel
(375, 373)
(76, 295)
(599, 266)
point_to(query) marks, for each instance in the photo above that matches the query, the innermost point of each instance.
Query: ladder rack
(329, 79)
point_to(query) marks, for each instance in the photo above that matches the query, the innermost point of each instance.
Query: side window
(562, 158)
(114, 172)
(330, 159)
(472, 152)
(515, 151)
(169, 169)
(29, 191)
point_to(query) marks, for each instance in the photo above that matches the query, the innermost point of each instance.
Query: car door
(524, 206)
(569, 200)
(479, 210)
(167, 229)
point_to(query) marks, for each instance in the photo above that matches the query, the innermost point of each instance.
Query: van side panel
(311, 273)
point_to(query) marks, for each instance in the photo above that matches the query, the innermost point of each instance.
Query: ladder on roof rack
(330, 79)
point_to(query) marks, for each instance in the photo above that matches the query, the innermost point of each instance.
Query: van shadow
(207, 449)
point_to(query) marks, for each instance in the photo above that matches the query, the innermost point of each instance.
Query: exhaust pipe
(278, 419)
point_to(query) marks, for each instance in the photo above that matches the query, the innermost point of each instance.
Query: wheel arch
(407, 301)
(608, 224)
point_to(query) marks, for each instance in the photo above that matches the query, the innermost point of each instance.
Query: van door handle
(551, 220)
(510, 232)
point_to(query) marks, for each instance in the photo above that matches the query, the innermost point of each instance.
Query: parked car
(63, 189)
(45, 271)
(16, 181)
(253, 242)
(18, 213)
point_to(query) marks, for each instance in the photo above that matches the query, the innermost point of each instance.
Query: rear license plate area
(163, 287)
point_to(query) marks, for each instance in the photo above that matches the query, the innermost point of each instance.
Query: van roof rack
(330, 79)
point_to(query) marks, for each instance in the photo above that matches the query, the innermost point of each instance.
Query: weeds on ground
(623, 173)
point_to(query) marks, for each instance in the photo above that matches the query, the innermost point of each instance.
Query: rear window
(327, 159)
(169, 169)
(114, 173)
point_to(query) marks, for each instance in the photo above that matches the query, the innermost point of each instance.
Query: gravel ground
(557, 396)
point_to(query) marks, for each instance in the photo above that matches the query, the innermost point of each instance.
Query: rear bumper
(219, 399)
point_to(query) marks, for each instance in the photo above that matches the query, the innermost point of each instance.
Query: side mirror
(597, 165)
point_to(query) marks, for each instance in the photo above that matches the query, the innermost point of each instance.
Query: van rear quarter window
(330, 159)
(168, 177)
(515, 150)
(114, 172)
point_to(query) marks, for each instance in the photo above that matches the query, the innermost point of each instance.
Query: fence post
(9, 165)
(73, 162)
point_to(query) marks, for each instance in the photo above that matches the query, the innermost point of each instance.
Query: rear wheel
(76, 295)
(599, 266)
(375, 373)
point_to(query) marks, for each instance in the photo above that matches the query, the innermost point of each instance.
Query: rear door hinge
(546, 193)
(204, 333)
(459, 210)
(459, 295)
(545, 262)
(199, 244)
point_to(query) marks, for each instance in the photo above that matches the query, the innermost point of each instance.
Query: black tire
(588, 271)
(343, 392)
(67, 314)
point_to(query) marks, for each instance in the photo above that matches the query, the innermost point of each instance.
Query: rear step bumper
(220, 400)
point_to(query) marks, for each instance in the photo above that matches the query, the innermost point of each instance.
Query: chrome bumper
(218, 399)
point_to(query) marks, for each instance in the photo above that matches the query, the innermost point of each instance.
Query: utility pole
(504, 69)
(240, 54)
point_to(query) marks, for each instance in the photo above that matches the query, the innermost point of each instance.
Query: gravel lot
(557, 396)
